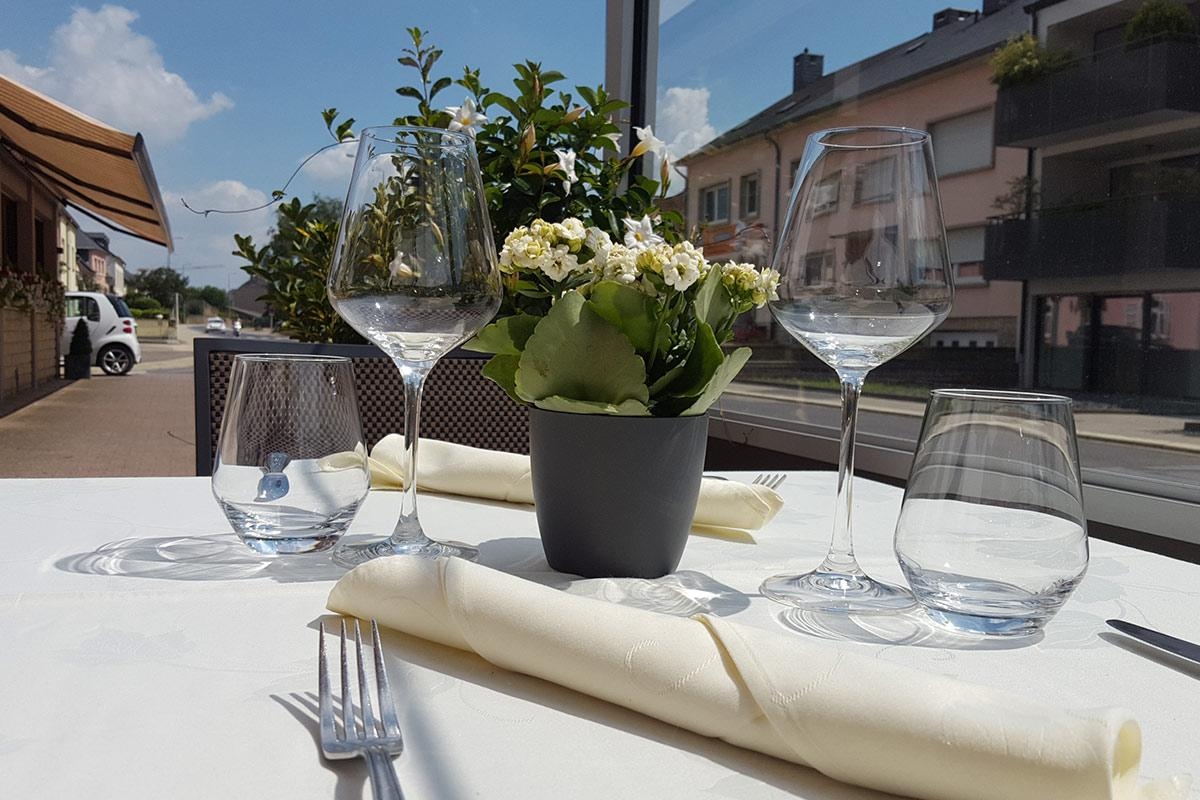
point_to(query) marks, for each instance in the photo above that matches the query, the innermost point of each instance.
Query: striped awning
(95, 168)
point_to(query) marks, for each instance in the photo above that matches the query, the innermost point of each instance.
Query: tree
(212, 295)
(161, 283)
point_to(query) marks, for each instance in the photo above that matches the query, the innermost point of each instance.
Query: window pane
(963, 143)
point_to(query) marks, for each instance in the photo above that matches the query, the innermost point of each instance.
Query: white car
(111, 328)
(214, 325)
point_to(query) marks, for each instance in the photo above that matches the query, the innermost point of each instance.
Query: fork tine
(324, 700)
(777, 480)
(387, 709)
(349, 727)
(364, 691)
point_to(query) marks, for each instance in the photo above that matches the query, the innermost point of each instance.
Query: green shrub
(1158, 18)
(1023, 59)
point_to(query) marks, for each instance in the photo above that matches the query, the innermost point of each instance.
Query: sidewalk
(1118, 427)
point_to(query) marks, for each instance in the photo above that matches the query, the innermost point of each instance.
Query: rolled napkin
(451, 468)
(853, 718)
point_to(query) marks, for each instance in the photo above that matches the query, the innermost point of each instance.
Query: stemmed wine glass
(414, 271)
(864, 273)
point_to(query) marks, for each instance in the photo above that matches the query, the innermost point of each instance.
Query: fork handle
(384, 783)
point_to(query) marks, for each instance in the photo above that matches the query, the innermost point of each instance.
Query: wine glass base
(351, 555)
(836, 591)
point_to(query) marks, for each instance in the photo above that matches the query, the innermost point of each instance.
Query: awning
(97, 169)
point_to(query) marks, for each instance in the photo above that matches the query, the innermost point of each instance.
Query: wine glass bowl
(864, 274)
(415, 272)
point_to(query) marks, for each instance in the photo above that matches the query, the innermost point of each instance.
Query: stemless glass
(992, 535)
(414, 271)
(291, 466)
(864, 273)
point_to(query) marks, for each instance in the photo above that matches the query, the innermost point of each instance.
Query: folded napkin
(854, 718)
(451, 468)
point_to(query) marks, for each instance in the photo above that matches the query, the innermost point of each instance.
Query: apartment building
(1108, 246)
(739, 185)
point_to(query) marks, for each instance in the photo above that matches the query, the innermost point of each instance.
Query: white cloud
(683, 120)
(100, 66)
(333, 166)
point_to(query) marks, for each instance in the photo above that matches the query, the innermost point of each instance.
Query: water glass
(992, 535)
(291, 464)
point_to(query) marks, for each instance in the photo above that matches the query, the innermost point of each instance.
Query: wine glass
(414, 271)
(864, 273)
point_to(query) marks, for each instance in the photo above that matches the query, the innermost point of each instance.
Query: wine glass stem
(408, 528)
(840, 558)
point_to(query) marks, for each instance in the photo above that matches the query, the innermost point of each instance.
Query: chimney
(807, 68)
(950, 15)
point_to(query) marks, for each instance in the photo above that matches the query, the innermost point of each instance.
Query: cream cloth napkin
(854, 718)
(451, 468)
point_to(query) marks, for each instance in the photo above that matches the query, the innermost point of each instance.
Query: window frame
(756, 177)
(703, 202)
(931, 126)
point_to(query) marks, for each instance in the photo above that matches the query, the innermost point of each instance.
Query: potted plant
(79, 356)
(1022, 59)
(616, 346)
(1159, 19)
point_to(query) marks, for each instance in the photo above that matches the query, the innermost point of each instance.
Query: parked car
(111, 328)
(214, 325)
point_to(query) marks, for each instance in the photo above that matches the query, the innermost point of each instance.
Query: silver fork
(376, 741)
(771, 480)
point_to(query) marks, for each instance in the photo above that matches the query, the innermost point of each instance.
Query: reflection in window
(873, 181)
(826, 193)
(714, 203)
(962, 144)
(1063, 346)
(818, 267)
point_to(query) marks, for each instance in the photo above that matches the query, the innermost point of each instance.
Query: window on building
(874, 180)
(9, 249)
(963, 144)
(826, 193)
(714, 203)
(793, 168)
(966, 247)
(748, 196)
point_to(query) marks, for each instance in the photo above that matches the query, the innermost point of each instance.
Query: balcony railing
(1152, 83)
(1123, 235)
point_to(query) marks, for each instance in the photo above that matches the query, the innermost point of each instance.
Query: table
(147, 654)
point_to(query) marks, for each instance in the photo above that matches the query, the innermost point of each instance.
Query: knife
(1162, 641)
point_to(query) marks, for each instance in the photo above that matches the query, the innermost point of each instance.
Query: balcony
(1120, 89)
(1124, 235)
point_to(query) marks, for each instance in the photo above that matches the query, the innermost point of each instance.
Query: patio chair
(458, 404)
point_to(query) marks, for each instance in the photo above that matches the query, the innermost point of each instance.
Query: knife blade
(1162, 641)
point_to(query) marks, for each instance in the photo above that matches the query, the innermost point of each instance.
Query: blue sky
(228, 94)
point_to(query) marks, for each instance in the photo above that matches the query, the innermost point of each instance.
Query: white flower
(598, 242)
(571, 231)
(648, 142)
(615, 138)
(464, 118)
(640, 234)
(620, 264)
(566, 162)
(399, 270)
(683, 267)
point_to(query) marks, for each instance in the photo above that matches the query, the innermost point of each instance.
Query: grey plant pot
(615, 496)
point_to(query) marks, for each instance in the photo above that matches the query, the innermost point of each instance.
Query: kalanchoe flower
(640, 234)
(465, 117)
(566, 163)
(648, 142)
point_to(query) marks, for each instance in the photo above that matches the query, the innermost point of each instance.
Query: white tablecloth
(148, 654)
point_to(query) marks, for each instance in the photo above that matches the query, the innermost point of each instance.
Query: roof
(97, 169)
(952, 43)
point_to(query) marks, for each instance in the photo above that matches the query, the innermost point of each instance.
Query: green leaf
(702, 363)
(629, 408)
(438, 85)
(723, 377)
(408, 91)
(502, 370)
(631, 311)
(713, 303)
(575, 353)
(665, 381)
(505, 336)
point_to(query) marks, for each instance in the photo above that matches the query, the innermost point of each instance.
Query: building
(739, 184)
(107, 268)
(51, 157)
(1108, 247)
